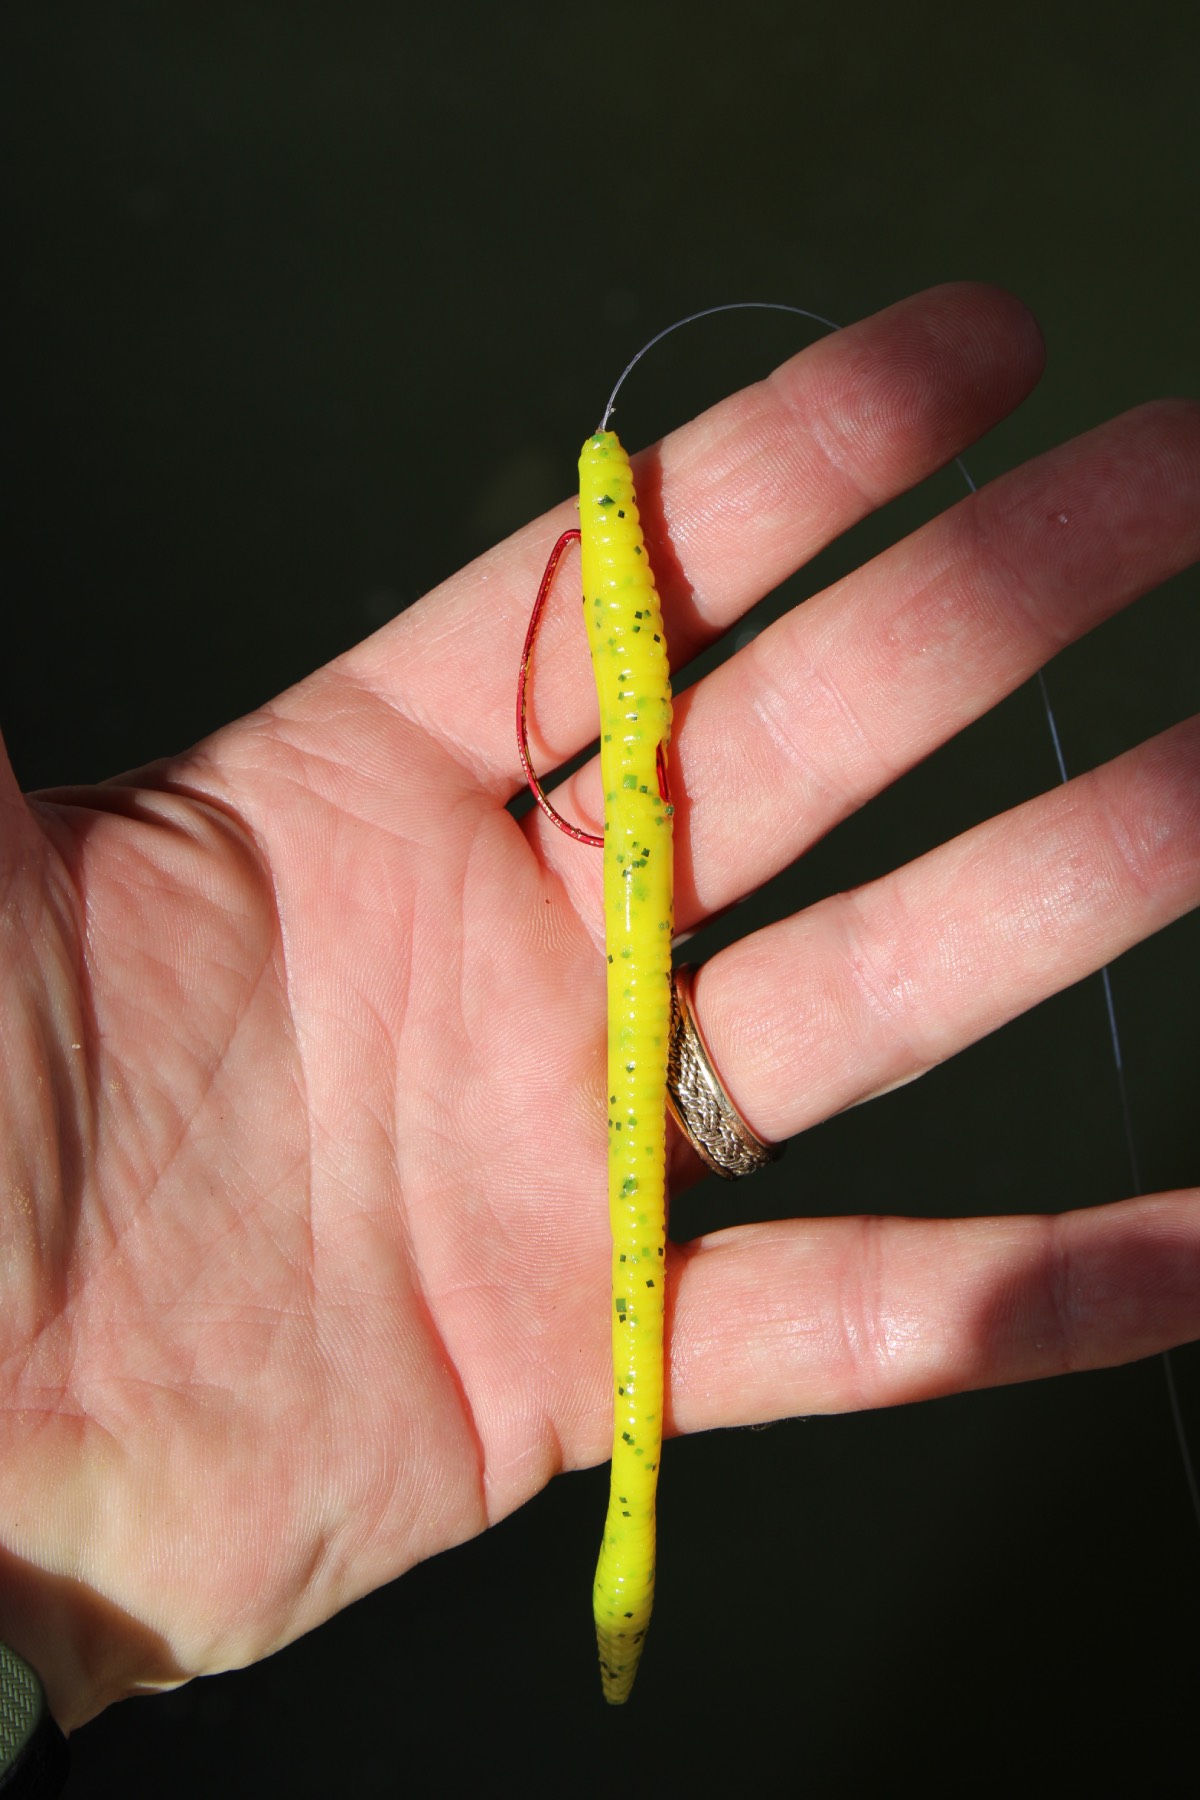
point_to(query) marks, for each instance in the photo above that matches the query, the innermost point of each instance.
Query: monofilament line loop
(707, 312)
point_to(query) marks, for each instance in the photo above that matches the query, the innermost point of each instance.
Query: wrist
(86, 1651)
(33, 1751)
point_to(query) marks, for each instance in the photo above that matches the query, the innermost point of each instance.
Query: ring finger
(866, 990)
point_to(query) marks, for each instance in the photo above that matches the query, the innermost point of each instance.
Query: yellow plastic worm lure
(629, 658)
(633, 685)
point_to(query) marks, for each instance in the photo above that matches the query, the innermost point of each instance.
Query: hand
(305, 1268)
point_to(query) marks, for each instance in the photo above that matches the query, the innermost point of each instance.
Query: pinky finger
(837, 1315)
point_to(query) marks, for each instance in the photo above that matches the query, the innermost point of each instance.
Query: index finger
(731, 504)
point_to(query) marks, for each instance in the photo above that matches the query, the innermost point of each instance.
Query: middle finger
(833, 702)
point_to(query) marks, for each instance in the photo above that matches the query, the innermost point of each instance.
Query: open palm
(305, 1267)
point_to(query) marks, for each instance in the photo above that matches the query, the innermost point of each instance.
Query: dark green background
(309, 304)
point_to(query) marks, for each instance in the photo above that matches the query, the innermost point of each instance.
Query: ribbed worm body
(629, 657)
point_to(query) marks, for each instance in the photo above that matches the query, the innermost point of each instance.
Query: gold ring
(701, 1108)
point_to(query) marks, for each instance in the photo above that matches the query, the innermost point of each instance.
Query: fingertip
(993, 305)
(900, 393)
(981, 333)
(1005, 321)
(1172, 426)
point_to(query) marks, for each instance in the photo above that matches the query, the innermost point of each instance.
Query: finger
(833, 702)
(732, 504)
(833, 1315)
(19, 839)
(867, 990)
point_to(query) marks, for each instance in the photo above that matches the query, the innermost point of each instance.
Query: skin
(304, 1275)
